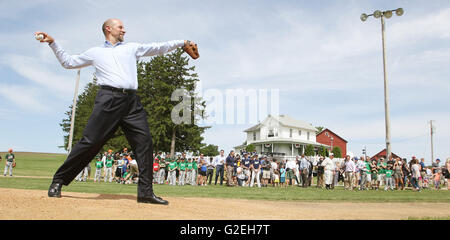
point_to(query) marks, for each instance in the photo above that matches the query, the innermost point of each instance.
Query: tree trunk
(172, 144)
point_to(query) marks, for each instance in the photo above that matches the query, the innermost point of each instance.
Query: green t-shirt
(367, 167)
(182, 166)
(389, 173)
(109, 162)
(173, 165)
(190, 165)
(162, 164)
(99, 164)
(9, 157)
(195, 164)
(381, 170)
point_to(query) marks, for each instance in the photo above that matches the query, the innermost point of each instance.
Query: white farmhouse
(281, 136)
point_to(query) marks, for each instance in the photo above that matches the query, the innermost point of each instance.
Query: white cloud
(31, 68)
(26, 97)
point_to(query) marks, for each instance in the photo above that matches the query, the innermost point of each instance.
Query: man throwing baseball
(116, 104)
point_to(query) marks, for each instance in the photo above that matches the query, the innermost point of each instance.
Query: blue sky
(326, 63)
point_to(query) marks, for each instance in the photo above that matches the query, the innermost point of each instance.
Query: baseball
(39, 37)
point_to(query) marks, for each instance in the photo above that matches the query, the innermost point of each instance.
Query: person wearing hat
(109, 161)
(229, 164)
(98, 168)
(329, 168)
(246, 166)
(182, 171)
(435, 165)
(161, 174)
(172, 177)
(381, 175)
(10, 162)
(256, 167)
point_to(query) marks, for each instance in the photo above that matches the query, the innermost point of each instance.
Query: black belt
(121, 90)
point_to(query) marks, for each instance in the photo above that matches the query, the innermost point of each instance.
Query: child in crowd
(428, 177)
(437, 179)
(389, 179)
(282, 176)
(276, 177)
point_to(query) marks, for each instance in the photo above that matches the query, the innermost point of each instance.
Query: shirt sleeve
(71, 61)
(160, 48)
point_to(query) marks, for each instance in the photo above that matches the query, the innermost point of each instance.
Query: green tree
(210, 150)
(250, 148)
(158, 80)
(319, 129)
(322, 151)
(337, 152)
(309, 150)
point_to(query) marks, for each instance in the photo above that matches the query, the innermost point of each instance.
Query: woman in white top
(415, 168)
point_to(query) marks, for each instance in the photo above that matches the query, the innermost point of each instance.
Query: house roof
(328, 130)
(285, 121)
(383, 152)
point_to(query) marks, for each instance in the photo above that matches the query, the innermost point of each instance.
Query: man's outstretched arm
(66, 60)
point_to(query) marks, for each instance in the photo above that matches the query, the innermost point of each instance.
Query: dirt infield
(34, 204)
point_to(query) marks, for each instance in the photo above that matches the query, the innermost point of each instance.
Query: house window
(299, 132)
(254, 136)
(307, 135)
(270, 133)
(290, 133)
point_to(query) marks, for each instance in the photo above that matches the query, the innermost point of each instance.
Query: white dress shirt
(115, 66)
(219, 160)
(350, 166)
(291, 164)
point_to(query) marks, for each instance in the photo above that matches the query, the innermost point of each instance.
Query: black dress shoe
(152, 199)
(55, 190)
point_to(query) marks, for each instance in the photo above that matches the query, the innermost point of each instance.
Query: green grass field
(39, 168)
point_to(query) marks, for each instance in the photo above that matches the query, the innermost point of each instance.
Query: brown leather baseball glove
(191, 49)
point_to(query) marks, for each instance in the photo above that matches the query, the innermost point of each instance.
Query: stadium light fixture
(386, 14)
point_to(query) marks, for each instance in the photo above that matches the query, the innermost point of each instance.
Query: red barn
(331, 139)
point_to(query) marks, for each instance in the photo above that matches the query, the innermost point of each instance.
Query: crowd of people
(250, 169)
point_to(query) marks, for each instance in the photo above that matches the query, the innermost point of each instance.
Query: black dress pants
(111, 110)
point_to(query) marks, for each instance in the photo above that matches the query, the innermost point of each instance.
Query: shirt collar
(108, 44)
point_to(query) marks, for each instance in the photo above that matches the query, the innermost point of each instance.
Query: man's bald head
(113, 30)
(108, 22)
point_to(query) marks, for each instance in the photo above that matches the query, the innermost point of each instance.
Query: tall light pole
(74, 107)
(382, 15)
(432, 129)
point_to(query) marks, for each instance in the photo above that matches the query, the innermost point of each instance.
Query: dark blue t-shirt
(256, 163)
(247, 162)
(230, 161)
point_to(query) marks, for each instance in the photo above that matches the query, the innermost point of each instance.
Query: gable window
(270, 133)
(254, 136)
(307, 134)
(299, 132)
(290, 132)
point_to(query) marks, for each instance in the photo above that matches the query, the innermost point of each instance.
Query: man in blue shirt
(246, 164)
(116, 105)
(256, 167)
(229, 163)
